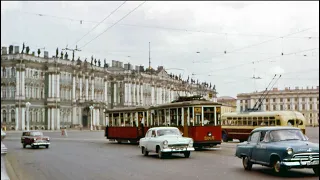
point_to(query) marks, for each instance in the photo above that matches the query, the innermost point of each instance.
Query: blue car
(280, 148)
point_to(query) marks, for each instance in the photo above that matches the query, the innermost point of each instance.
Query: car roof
(158, 128)
(274, 128)
(32, 131)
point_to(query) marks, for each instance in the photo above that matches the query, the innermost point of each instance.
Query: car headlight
(191, 143)
(289, 151)
(34, 139)
(165, 142)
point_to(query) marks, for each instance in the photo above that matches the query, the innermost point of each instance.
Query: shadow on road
(268, 172)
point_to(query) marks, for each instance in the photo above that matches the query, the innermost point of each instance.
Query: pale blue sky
(221, 26)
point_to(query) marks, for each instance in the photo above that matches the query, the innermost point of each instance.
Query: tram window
(278, 122)
(291, 122)
(299, 122)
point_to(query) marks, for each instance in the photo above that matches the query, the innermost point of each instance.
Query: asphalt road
(89, 156)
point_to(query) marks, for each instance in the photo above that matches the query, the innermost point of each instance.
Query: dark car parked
(35, 139)
(281, 148)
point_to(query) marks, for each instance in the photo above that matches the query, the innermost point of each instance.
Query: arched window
(13, 72)
(13, 116)
(4, 116)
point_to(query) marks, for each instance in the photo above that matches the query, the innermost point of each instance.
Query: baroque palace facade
(304, 100)
(57, 92)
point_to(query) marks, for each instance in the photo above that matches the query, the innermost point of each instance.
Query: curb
(13, 132)
(11, 173)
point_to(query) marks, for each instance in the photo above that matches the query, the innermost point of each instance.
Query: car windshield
(164, 132)
(36, 134)
(287, 135)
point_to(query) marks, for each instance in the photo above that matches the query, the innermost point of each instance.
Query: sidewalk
(68, 130)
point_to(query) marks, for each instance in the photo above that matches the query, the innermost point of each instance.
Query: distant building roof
(226, 98)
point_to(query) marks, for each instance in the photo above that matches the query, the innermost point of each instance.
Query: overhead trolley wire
(164, 28)
(239, 65)
(100, 22)
(114, 24)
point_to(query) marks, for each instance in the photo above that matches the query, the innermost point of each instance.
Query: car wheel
(24, 145)
(247, 164)
(187, 154)
(144, 151)
(316, 171)
(160, 154)
(276, 166)
(224, 137)
(47, 146)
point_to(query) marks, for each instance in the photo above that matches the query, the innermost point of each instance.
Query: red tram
(195, 117)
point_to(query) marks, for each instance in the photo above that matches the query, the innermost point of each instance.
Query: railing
(4, 174)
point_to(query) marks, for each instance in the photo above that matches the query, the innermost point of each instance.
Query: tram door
(140, 125)
(185, 123)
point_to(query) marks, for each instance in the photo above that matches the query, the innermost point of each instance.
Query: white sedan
(165, 141)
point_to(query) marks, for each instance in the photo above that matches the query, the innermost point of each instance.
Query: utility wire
(257, 44)
(238, 65)
(162, 27)
(114, 24)
(100, 22)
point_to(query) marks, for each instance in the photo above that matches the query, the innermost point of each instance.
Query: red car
(35, 139)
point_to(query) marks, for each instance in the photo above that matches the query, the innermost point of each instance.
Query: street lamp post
(28, 123)
(91, 109)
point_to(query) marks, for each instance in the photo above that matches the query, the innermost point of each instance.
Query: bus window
(254, 121)
(239, 121)
(291, 122)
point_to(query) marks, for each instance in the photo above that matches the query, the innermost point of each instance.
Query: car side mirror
(306, 137)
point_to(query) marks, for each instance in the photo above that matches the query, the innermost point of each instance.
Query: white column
(141, 95)
(73, 87)
(126, 94)
(106, 92)
(138, 94)
(58, 85)
(119, 92)
(80, 115)
(115, 93)
(152, 95)
(17, 85)
(98, 117)
(58, 118)
(130, 94)
(87, 88)
(23, 92)
(80, 87)
(23, 120)
(74, 115)
(17, 119)
(53, 93)
(52, 118)
(134, 94)
(92, 89)
(49, 118)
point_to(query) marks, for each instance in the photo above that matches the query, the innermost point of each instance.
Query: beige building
(304, 100)
(229, 104)
(50, 93)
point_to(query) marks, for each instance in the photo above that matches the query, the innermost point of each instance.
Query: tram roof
(186, 103)
(126, 109)
(263, 113)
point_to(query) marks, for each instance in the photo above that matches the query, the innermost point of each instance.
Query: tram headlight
(209, 134)
(289, 151)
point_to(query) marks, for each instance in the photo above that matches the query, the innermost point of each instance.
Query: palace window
(4, 116)
(13, 116)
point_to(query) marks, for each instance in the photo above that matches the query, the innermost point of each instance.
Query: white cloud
(177, 49)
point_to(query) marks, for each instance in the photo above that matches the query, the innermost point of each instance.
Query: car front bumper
(177, 150)
(302, 160)
(301, 164)
(40, 144)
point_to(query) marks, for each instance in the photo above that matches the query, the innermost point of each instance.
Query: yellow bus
(237, 125)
